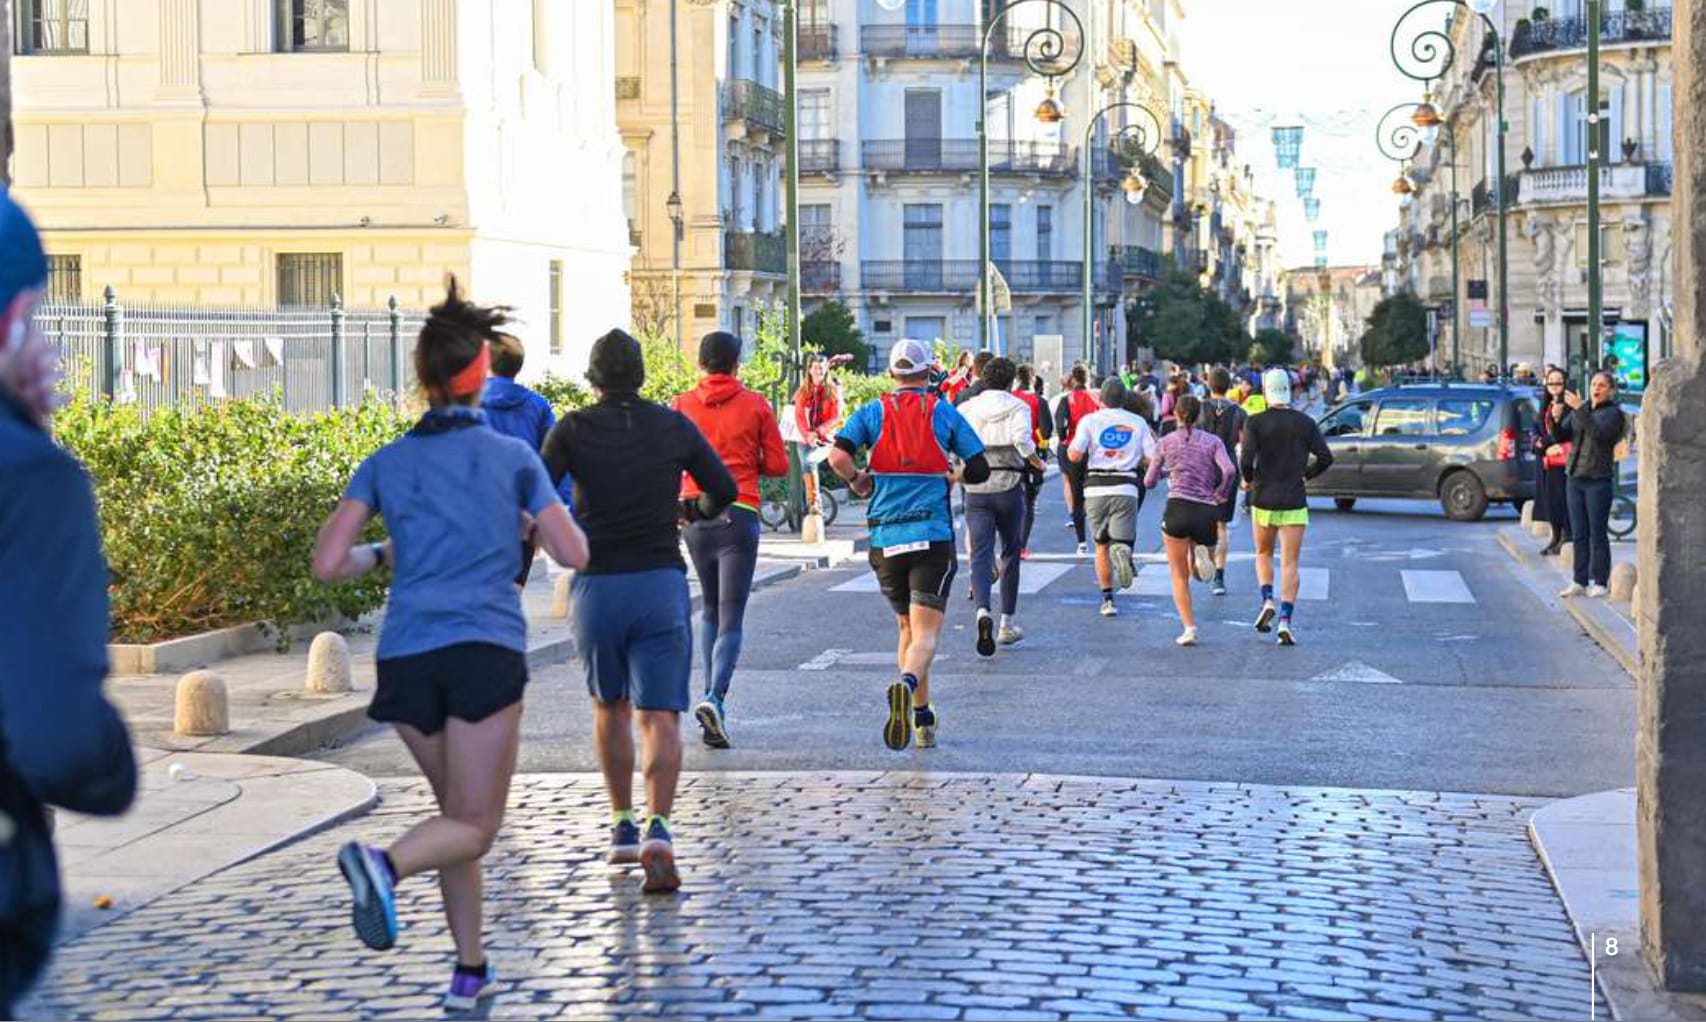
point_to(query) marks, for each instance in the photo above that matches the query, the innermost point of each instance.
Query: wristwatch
(379, 557)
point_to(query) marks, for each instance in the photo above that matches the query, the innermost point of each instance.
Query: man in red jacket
(741, 427)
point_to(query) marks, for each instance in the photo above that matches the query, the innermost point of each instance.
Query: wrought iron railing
(927, 42)
(818, 42)
(820, 277)
(747, 100)
(1481, 197)
(1138, 261)
(1550, 34)
(820, 155)
(1032, 276)
(957, 155)
(755, 251)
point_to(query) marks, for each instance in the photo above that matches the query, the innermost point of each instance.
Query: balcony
(1146, 263)
(755, 252)
(757, 105)
(937, 42)
(1481, 199)
(959, 276)
(1554, 34)
(1108, 166)
(960, 155)
(820, 277)
(818, 42)
(820, 155)
(1570, 184)
(1109, 282)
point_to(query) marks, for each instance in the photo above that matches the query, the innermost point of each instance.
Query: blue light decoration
(1320, 262)
(1288, 146)
(1312, 209)
(1305, 182)
(1320, 241)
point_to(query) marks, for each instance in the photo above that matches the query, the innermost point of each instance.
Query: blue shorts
(632, 633)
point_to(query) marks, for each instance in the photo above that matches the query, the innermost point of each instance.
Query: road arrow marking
(825, 660)
(1358, 672)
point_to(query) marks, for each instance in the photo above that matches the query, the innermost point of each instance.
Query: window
(1043, 327)
(555, 297)
(737, 320)
(1000, 232)
(64, 278)
(1663, 148)
(1610, 245)
(1351, 420)
(814, 15)
(630, 196)
(1406, 416)
(921, 13)
(53, 26)
(309, 278)
(1463, 417)
(306, 26)
(1045, 232)
(817, 232)
(814, 115)
(926, 328)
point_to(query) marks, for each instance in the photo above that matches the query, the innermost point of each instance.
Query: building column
(180, 51)
(1670, 748)
(438, 47)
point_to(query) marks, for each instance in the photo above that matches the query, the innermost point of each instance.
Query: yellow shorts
(1274, 519)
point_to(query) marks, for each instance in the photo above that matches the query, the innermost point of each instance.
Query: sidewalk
(1611, 623)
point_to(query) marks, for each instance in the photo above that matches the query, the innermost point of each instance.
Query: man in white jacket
(995, 508)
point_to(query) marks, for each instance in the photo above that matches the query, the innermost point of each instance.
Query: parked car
(1462, 444)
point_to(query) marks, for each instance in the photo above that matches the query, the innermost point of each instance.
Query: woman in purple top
(1199, 479)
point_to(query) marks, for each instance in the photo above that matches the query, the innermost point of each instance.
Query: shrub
(209, 512)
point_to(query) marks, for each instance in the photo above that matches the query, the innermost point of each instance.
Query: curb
(1602, 622)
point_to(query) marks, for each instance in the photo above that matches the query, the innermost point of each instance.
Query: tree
(1397, 332)
(1184, 323)
(1271, 347)
(831, 329)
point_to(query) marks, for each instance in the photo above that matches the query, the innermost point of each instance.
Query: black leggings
(725, 554)
(1033, 485)
(1074, 471)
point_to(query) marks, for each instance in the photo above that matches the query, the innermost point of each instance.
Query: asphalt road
(1428, 665)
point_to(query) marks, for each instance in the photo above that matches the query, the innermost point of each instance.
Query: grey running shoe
(1124, 570)
(1265, 619)
(924, 722)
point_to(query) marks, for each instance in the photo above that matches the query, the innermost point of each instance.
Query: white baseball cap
(1276, 386)
(909, 357)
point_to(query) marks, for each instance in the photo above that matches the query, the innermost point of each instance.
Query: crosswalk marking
(1155, 580)
(1034, 577)
(1436, 587)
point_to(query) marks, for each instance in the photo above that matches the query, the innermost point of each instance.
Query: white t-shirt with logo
(1113, 441)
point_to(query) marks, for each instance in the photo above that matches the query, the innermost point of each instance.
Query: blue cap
(23, 265)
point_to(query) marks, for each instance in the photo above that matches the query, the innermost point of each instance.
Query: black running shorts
(1189, 519)
(469, 681)
(920, 577)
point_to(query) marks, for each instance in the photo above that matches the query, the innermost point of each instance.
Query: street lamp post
(1140, 142)
(1431, 54)
(1597, 140)
(1421, 124)
(1045, 53)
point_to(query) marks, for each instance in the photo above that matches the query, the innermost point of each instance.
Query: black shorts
(1188, 519)
(469, 681)
(1229, 508)
(918, 577)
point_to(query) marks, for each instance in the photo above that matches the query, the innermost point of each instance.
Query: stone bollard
(1623, 581)
(811, 528)
(202, 708)
(1528, 512)
(1540, 530)
(328, 665)
(1567, 557)
(561, 599)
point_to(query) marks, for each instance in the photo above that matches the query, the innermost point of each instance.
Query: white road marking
(1436, 587)
(1033, 579)
(1359, 672)
(825, 660)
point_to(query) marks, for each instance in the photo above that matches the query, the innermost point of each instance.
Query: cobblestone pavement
(899, 895)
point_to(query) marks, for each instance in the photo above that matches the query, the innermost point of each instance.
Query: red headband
(471, 378)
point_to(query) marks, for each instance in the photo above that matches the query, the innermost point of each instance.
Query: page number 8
(1611, 947)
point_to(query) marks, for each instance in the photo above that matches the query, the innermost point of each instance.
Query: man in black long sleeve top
(631, 607)
(1282, 448)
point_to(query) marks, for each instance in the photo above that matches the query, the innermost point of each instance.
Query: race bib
(906, 548)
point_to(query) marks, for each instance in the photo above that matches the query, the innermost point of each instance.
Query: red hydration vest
(1079, 403)
(907, 444)
(1036, 407)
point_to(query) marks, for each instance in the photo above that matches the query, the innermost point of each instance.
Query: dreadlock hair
(450, 339)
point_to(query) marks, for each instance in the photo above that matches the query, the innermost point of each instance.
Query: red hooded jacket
(741, 427)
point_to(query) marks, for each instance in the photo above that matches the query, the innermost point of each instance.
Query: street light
(1137, 142)
(1401, 141)
(1431, 54)
(1045, 53)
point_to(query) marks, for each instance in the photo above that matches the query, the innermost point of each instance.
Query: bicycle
(773, 508)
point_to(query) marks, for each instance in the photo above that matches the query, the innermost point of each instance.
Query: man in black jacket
(61, 742)
(631, 606)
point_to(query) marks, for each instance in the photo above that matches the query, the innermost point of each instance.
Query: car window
(1463, 416)
(1351, 420)
(1402, 416)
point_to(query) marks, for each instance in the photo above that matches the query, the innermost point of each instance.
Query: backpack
(1224, 419)
(907, 444)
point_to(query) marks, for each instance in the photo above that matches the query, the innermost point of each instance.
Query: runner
(452, 658)
(742, 429)
(817, 411)
(996, 506)
(911, 433)
(1069, 411)
(1110, 446)
(1282, 448)
(1200, 478)
(513, 409)
(631, 616)
(1027, 388)
(1225, 419)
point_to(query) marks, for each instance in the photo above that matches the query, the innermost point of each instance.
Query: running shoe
(1286, 638)
(897, 734)
(1108, 608)
(1188, 637)
(374, 909)
(1124, 570)
(709, 713)
(1083, 549)
(1218, 587)
(657, 859)
(624, 844)
(1024, 553)
(1265, 619)
(1010, 635)
(1596, 591)
(467, 990)
(1205, 564)
(985, 635)
(924, 722)
(1572, 590)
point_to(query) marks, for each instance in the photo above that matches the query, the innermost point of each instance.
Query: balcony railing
(1618, 181)
(818, 42)
(959, 276)
(1653, 24)
(1108, 165)
(820, 277)
(755, 252)
(932, 42)
(958, 155)
(754, 103)
(1481, 197)
(1138, 261)
(820, 155)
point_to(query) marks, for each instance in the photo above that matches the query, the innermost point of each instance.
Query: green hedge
(209, 513)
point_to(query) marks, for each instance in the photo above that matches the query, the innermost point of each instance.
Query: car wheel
(1463, 497)
(1344, 503)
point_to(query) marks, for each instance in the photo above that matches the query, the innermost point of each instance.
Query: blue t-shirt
(451, 501)
(905, 496)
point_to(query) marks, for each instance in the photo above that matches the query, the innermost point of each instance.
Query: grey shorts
(1112, 519)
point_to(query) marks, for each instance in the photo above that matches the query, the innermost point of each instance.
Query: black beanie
(617, 364)
(1113, 392)
(719, 352)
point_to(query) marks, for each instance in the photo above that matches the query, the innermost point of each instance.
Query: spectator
(817, 413)
(1553, 448)
(61, 742)
(1595, 428)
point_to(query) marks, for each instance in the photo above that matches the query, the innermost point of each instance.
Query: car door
(1345, 428)
(1398, 454)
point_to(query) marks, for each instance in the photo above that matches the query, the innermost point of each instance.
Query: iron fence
(960, 155)
(1627, 26)
(162, 356)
